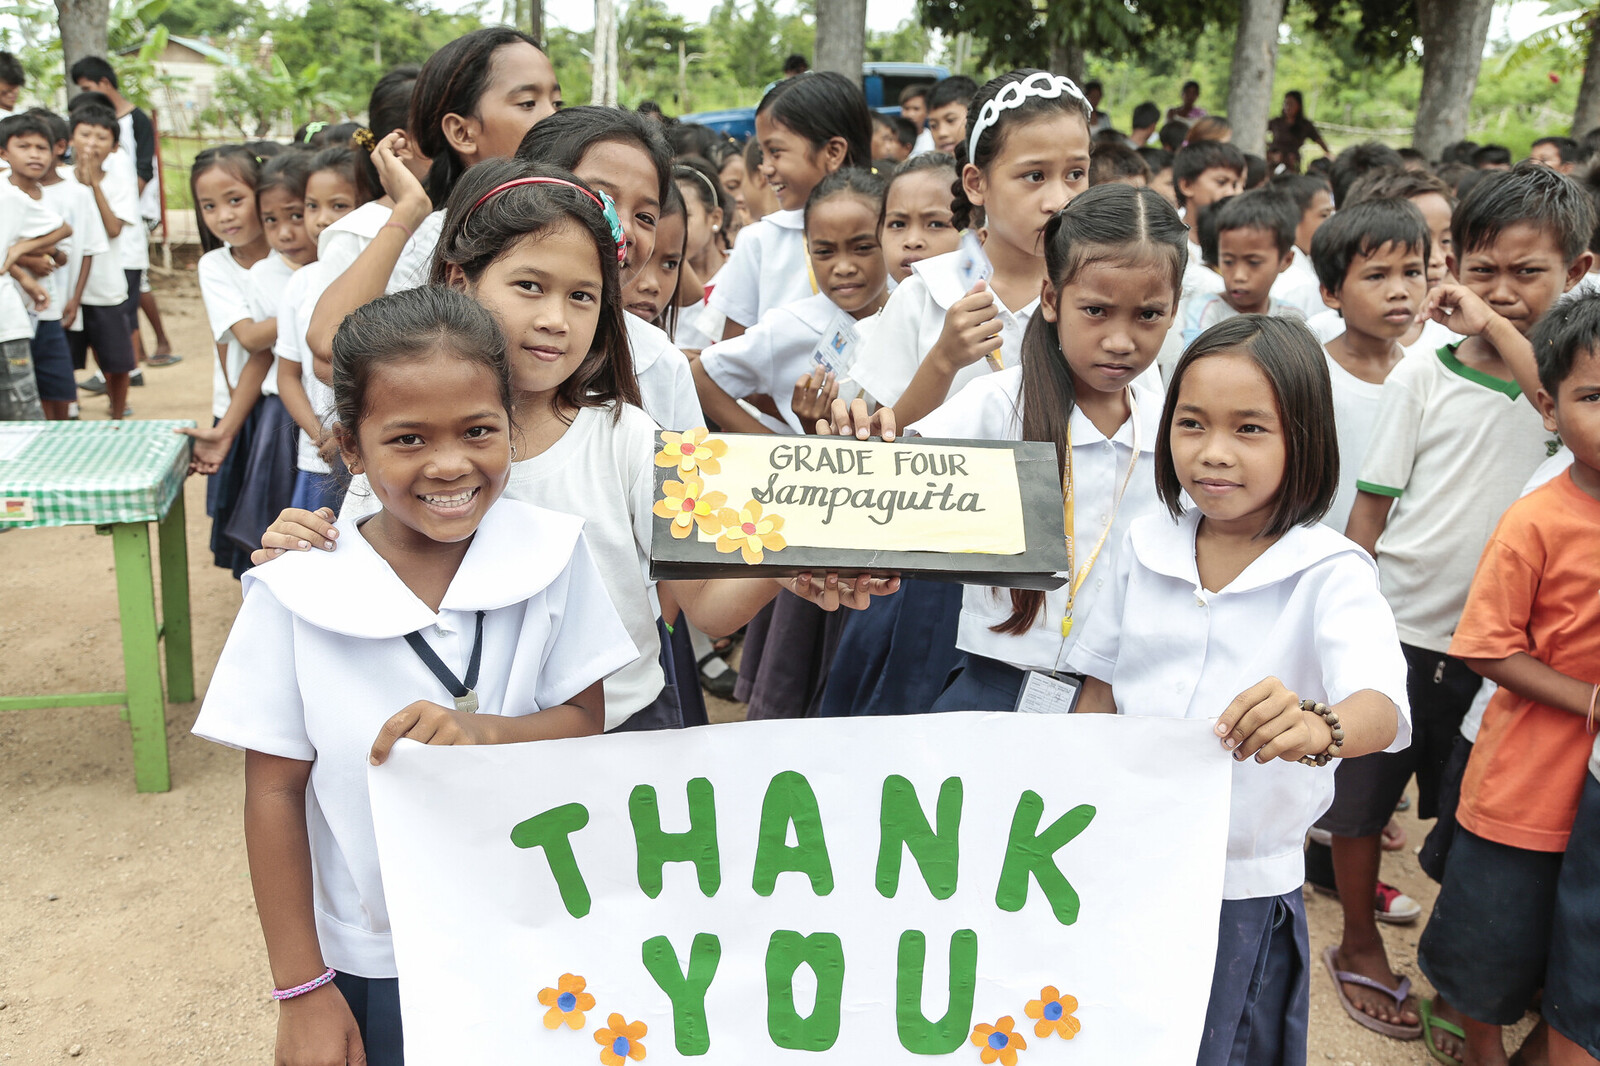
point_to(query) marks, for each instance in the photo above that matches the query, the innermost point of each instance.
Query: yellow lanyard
(1078, 577)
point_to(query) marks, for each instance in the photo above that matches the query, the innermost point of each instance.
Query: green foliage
(212, 18)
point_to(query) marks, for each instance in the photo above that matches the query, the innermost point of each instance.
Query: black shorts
(1487, 945)
(105, 329)
(1366, 789)
(1572, 983)
(52, 363)
(130, 307)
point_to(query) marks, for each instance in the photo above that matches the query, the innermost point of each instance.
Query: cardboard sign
(736, 505)
(959, 888)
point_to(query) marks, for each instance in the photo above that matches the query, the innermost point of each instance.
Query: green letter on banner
(786, 953)
(1030, 852)
(686, 990)
(918, 1035)
(552, 831)
(656, 848)
(902, 822)
(790, 799)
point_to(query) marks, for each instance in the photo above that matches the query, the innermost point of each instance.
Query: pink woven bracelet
(300, 990)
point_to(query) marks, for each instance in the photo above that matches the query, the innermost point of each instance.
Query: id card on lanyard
(836, 352)
(1076, 576)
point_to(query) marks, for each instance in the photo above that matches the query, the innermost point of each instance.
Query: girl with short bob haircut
(1245, 609)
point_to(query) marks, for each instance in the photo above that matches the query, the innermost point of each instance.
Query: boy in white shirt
(1255, 236)
(94, 133)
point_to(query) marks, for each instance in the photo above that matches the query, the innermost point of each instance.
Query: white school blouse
(299, 300)
(603, 472)
(1298, 287)
(317, 662)
(416, 258)
(909, 325)
(226, 292)
(991, 409)
(768, 268)
(665, 380)
(1307, 612)
(269, 280)
(74, 203)
(348, 237)
(770, 357)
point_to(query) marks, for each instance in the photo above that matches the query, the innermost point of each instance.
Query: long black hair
(237, 160)
(562, 139)
(820, 106)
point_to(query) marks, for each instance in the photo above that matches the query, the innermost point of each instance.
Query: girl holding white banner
(440, 593)
(1244, 606)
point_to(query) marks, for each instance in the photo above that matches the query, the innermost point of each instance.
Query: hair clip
(312, 129)
(607, 206)
(364, 140)
(716, 201)
(1042, 84)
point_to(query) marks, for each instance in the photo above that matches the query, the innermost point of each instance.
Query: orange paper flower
(693, 450)
(1053, 1014)
(567, 1002)
(687, 504)
(750, 532)
(620, 1041)
(998, 1042)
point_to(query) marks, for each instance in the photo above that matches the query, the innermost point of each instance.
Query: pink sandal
(1390, 1029)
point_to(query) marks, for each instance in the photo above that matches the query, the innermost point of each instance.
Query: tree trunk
(1255, 58)
(83, 31)
(1453, 34)
(1587, 115)
(841, 37)
(604, 91)
(1067, 58)
(536, 20)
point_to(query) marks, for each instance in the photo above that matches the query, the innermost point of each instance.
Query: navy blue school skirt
(375, 1002)
(266, 484)
(896, 656)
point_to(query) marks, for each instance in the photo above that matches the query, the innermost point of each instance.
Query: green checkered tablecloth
(90, 473)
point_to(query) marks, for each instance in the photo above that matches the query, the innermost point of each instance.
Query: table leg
(174, 547)
(141, 663)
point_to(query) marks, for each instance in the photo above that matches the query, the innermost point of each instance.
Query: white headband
(1042, 84)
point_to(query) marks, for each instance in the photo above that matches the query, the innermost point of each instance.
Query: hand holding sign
(814, 396)
(852, 419)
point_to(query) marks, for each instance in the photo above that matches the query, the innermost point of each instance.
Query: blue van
(881, 82)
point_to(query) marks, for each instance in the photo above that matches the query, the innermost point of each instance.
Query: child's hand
(317, 1029)
(210, 448)
(296, 530)
(39, 264)
(411, 203)
(69, 313)
(36, 293)
(1458, 308)
(1265, 720)
(433, 724)
(971, 329)
(833, 592)
(813, 398)
(853, 419)
(90, 167)
(327, 447)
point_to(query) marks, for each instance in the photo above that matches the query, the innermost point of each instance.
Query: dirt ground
(128, 933)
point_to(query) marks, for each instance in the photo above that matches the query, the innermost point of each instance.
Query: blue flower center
(620, 1045)
(566, 1001)
(998, 1041)
(1052, 1011)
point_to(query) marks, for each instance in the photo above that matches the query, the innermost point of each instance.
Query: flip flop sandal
(163, 360)
(1390, 1029)
(1430, 1022)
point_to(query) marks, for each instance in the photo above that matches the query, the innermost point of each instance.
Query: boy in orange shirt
(1532, 626)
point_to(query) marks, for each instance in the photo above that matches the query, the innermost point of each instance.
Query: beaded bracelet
(300, 990)
(1335, 746)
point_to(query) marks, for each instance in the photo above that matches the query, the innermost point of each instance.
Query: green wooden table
(117, 477)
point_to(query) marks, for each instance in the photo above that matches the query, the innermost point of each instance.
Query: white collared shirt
(269, 280)
(225, 290)
(602, 470)
(348, 237)
(299, 300)
(1307, 611)
(909, 325)
(1298, 287)
(317, 662)
(75, 203)
(665, 380)
(991, 409)
(768, 268)
(416, 258)
(769, 358)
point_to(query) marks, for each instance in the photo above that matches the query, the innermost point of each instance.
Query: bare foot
(1374, 1004)
(1394, 836)
(1447, 1043)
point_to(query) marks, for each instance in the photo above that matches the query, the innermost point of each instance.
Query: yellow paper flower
(998, 1042)
(687, 504)
(620, 1041)
(693, 450)
(750, 532)
(1053, 1014)
(567, 1002)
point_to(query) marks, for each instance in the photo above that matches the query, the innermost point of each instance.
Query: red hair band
(607, 207)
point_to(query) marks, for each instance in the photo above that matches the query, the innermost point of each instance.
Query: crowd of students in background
(1292, 412)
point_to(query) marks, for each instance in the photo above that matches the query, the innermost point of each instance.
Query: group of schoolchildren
(446, 345)
(77, 193)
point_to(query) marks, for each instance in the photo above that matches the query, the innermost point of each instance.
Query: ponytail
(1020, 94)
(819, 106)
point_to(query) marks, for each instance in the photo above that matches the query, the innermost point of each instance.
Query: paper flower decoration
(1053, 1014)
(567, 1002)
(998, 1042)
(692, 450)
(750, 532)
(620, 1041)
(687, 504)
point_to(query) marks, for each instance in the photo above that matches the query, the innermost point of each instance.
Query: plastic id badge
(837, 352)
(1043, 694)
(972, 262)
